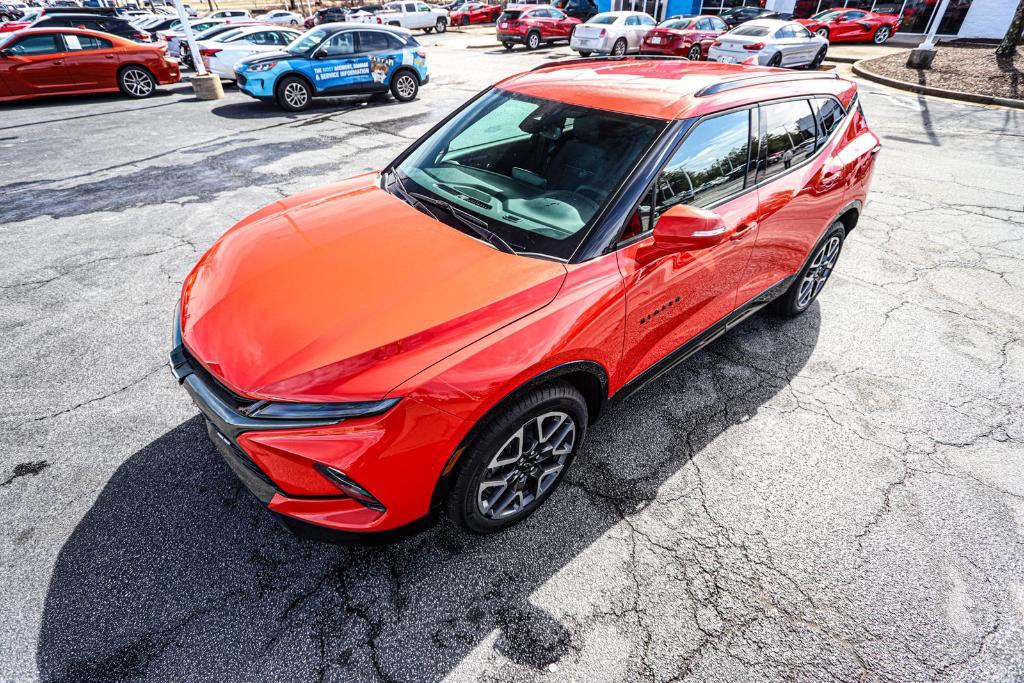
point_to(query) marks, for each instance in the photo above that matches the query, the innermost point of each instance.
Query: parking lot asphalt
(837, 497)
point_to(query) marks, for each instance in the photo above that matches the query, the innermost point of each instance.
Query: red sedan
(852, 26)
(37, 62)
(684, 37)
(475, 13)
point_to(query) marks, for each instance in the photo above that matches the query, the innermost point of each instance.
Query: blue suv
(336, 59)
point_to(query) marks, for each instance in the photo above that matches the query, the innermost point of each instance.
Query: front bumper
(398, 456)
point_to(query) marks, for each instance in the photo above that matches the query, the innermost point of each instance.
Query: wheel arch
(127, 65)
(405, 67)
(298, 74)
(588, 377)
(849, 215)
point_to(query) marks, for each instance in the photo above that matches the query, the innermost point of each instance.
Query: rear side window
(632, 20)
(789, 136)
(372, 41)
(830, 115)
(76, 41)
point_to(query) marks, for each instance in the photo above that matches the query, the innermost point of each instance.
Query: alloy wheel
(533, 41)
(694, 55)
(818, 272)
(822, 33)
(619, 48)
(406, 86)
(526, 465)
(137, 82)
(295, 95)
(882, 35)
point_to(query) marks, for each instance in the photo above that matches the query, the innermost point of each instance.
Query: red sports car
(441, 335)
(474, 13)
(852, 26)
(684, 37)
(36, 62)
(532, 25)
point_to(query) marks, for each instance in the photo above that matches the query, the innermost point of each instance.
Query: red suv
(440, 335)
(532, 25)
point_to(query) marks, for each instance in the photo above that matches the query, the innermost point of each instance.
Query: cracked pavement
(838, 497)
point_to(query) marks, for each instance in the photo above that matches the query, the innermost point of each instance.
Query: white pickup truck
(414, 15)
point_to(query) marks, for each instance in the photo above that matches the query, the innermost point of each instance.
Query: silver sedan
(611, 33)
(772, 42)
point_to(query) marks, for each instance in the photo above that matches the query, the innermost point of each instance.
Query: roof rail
(759, 79)
(608, 58)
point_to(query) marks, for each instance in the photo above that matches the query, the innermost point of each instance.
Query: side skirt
(701, 340)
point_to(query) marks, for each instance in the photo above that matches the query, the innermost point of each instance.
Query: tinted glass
(850, 16)
(534, 171)
(749, 31)
(677, 23)
(647, 21)
(340, 44)
(718, 25)
(37, 45)
(602, 19)
(555, 14)
(632, 21)
(830, 115)
(785, 32)
(372, 41)
(703, 25)
(801, 32)
(711, 164)
(790, 135)
(75, 41)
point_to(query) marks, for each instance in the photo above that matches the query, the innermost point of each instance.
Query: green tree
(1008, 47)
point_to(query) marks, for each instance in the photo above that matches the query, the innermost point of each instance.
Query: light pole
(923, 55)
(205, 86)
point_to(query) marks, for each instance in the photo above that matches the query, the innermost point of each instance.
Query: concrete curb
(843, 60)
(861, 70)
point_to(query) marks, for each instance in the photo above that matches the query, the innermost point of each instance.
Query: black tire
(619, 48)
(465, 21)
(882, 35)
(294, 22)
(136, 82)
(405, 86)
(441, 26)
(694, 54)
(818, 58)
(776, 59)
(528, 477)
(532, 40)
(585, 53)
(508, 45)
(428, 29)
(289, 94)
(814, 274)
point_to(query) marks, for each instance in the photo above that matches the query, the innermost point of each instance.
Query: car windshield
(307, 41)
(603, 19)
(826, 16)
(533, 171)
(749, 30)
(677, 23)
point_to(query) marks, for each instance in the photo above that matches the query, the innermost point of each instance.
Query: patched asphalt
(837, 497)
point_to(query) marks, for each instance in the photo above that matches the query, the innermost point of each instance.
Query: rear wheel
(508, 44)
(404, 86)
(294, 22)
(136, 82)
(294, 94)
(818, 58)
(776, 59)
(822, 33)
(585, 53)
(441, 26)
(532, 40)
(812, 278)
(882, 35)
(428, 29)
(619, 48)
(694, 54)
(518, 459)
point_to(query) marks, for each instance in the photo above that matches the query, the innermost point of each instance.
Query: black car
(118, 27)
(734, 16)
(580, 9)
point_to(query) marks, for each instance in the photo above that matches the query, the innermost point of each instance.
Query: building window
(915, 15)
(719, 6)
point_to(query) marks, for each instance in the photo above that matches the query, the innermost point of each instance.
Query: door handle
(108, 56)
(743, 231)
(59, 62)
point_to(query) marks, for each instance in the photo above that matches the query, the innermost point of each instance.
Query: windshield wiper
(467, 219)
(407, 196)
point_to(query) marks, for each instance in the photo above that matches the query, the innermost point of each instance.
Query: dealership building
(962, 18)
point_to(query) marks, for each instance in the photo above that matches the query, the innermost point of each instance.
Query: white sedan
(220, 54)
(772, 42)
(613, 33)
(282, 17)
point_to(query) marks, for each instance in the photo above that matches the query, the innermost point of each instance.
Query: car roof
(767, 23)
(118, 40)
(669, 88)
(397, 30)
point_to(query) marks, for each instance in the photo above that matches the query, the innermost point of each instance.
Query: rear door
(673, 297)
(91, 61)
(35, 65)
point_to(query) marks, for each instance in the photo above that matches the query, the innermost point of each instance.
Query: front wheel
(518, 459)
(532, 40)
(818, 59)
(441, 26)
(294, 94)
(882, 35)
(136, 82)
(694, 54)
(812, 278)
(404, 86)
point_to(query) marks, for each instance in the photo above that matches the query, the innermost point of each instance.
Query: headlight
(263, 66)
(321, 411)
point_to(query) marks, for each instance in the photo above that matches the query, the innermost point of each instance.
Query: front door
(35, 65)
(90, 61)
(337, 66)
(672, 297)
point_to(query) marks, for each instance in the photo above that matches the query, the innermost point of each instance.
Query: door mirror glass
(687, 228)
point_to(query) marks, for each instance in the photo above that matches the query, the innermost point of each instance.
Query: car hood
(344, 293)
(274, 56)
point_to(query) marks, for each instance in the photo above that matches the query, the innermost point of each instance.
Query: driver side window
(339, 45)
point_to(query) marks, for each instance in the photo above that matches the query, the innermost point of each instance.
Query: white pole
(929, 40)
(197, 58)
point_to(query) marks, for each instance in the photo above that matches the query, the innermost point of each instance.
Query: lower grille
(239, 78)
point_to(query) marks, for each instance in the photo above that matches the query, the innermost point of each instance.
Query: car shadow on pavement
(177, 573)
(255, 109)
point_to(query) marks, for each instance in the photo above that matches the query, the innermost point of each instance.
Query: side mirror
(837, 20)
(686, 228)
